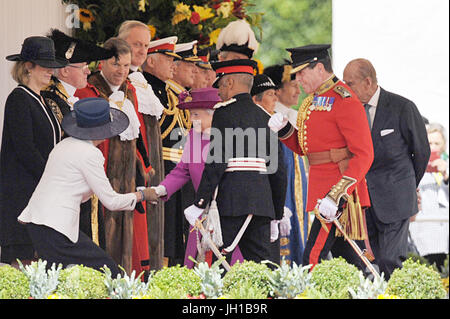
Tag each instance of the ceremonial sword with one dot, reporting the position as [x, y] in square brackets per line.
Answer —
[364, 255]
[199, 226]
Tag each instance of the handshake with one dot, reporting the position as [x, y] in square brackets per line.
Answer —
[153, 193]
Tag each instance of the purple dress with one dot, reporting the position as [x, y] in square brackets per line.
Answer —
[191, 168]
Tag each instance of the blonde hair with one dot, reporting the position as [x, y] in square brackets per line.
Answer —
[20, 73]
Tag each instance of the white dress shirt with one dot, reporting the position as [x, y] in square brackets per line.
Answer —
[70, 89]
[74, 171]
[373, 102]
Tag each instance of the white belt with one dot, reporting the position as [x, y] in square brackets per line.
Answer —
[246, 164]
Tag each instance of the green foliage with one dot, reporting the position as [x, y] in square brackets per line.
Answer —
[80, 282]
[211, 279]
[415, 281]
[287, 282]
[247, 273]
[155, 292]
[43, 282]
[176, 278]
[14, 284]
[292, 23]
[369, 289]
[125, 287]
[331, 279]
[245, 290]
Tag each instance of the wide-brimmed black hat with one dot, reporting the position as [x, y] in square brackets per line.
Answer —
[76, 50]
[261, 83]
[93, 119]
[223, 68]
[303, 56]
[39, 50]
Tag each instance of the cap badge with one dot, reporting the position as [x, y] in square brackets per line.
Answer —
[70, 50]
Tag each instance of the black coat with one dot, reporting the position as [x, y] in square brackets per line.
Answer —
[400, 158]
[30, 132]
[243, 192]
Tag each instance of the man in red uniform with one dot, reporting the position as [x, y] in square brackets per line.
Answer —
[333, 133]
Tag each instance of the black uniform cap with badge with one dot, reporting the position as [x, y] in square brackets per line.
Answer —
[305, 55]
[76, 50]
[242, 66]
[262, 83]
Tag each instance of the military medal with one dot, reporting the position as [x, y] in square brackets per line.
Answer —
[322, 103]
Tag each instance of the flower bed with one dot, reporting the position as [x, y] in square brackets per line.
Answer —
[331, 279]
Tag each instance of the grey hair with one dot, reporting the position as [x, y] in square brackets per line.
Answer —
[242, 78]
[128, 25]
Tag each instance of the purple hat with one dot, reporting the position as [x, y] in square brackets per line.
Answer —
[204, 98]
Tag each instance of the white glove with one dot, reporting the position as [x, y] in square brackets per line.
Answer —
[285, 222]
[274, 230]
[192, 213]
[327, 208]
[277, 122]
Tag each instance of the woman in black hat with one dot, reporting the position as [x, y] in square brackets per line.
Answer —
[75, 172]
[29, 134]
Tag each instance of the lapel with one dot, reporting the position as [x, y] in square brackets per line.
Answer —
[381, 115]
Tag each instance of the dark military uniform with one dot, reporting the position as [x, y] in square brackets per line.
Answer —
[241, 193]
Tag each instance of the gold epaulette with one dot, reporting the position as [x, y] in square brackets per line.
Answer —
[342, 91]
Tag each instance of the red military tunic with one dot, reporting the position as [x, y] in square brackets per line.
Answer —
[332, 118]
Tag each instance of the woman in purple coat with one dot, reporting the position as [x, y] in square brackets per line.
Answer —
[200, 103]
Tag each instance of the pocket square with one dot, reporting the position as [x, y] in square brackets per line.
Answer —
[386, 132]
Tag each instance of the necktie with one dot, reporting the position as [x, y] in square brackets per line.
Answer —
[367, 107]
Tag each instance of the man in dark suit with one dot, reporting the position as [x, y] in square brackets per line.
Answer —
[251, 181]
[401, 153]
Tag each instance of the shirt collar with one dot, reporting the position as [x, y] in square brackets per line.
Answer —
[134, 68]
[70, 89]
[114, 88]
[375, 97]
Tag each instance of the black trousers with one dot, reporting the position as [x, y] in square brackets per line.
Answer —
[54, 247]
[320, 243]
[255, 242]
[389, 242]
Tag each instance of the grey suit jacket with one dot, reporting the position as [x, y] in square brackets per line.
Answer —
[401, 153]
